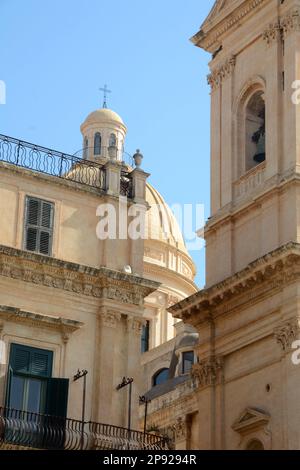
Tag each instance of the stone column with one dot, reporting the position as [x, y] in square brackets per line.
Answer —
[139, 179]
[3, 365]
[105, 380]
[285, 335]
[113, 177]
[134, 331]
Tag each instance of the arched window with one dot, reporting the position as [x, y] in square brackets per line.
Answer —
[112, 140]
[255, 127]
[97, 144]
[187, 361]
[160, 377]
[255, 444]
[85, 148]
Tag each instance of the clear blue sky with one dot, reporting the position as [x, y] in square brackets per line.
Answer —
[55, 54]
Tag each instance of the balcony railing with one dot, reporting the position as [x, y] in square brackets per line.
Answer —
[51, 162]
[37, 431]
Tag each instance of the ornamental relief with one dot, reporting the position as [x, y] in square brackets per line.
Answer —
[221, 73]
[206, 372]
[101, 285]
[286, 333]
[280, 29]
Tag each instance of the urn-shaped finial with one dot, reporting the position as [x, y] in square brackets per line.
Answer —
[138, 158]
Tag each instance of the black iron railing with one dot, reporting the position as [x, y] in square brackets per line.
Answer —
[37, 431]
[51, 162]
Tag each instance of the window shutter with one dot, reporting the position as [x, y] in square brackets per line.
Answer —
[57, 397]
[39, 225]
[31, 361]
[33, 211]
[8, 386]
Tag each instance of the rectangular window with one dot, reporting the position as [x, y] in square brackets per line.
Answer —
[30, 369]
[187, 361]
[30, 386]
[39, 217]
[145, 337]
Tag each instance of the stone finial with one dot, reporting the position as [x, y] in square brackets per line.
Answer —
[138, 158]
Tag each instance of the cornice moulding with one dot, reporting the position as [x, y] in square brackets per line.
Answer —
[100, 282]
[17, 315]
[276, 268]
[212, 31]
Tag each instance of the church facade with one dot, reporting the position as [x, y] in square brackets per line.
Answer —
[243, 391]
[78, 302]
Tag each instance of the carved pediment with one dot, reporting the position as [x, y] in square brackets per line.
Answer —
[224, 15]
[216, 9]
[251, 419]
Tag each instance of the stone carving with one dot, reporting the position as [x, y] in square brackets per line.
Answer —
[286, 333]
[205, 373]
[135, 325]
[222, 72]
[272, 33]
[180, 429]
[109, 318]
[290, 22]
[49, 272]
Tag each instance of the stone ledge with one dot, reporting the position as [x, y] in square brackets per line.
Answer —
[100, 282]
[277, 268]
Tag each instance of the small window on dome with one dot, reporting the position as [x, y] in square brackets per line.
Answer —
[97, 144]
[112, 140]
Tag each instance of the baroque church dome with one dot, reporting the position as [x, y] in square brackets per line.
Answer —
[103, 115]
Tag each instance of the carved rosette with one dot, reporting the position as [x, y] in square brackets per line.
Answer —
[206, 372]
[286, 333]
[180, 429]
[221, 73]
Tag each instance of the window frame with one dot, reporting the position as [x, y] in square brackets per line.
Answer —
[39, 227]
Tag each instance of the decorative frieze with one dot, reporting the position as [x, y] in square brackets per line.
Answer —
[221, 73]
[286, 333]
[101, 283]
[206, 372]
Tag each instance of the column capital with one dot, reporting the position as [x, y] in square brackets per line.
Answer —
[135, 325]
[109, 318]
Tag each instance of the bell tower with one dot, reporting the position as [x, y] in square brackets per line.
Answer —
[255, 129]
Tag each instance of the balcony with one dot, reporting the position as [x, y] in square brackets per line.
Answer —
[24, 430]
[59, 165]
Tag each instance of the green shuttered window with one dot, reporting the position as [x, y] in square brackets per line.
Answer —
[39, 217]
[30, 385]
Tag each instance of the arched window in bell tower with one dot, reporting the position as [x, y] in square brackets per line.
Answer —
[97, 144]
[255, 127]
[112, 140]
